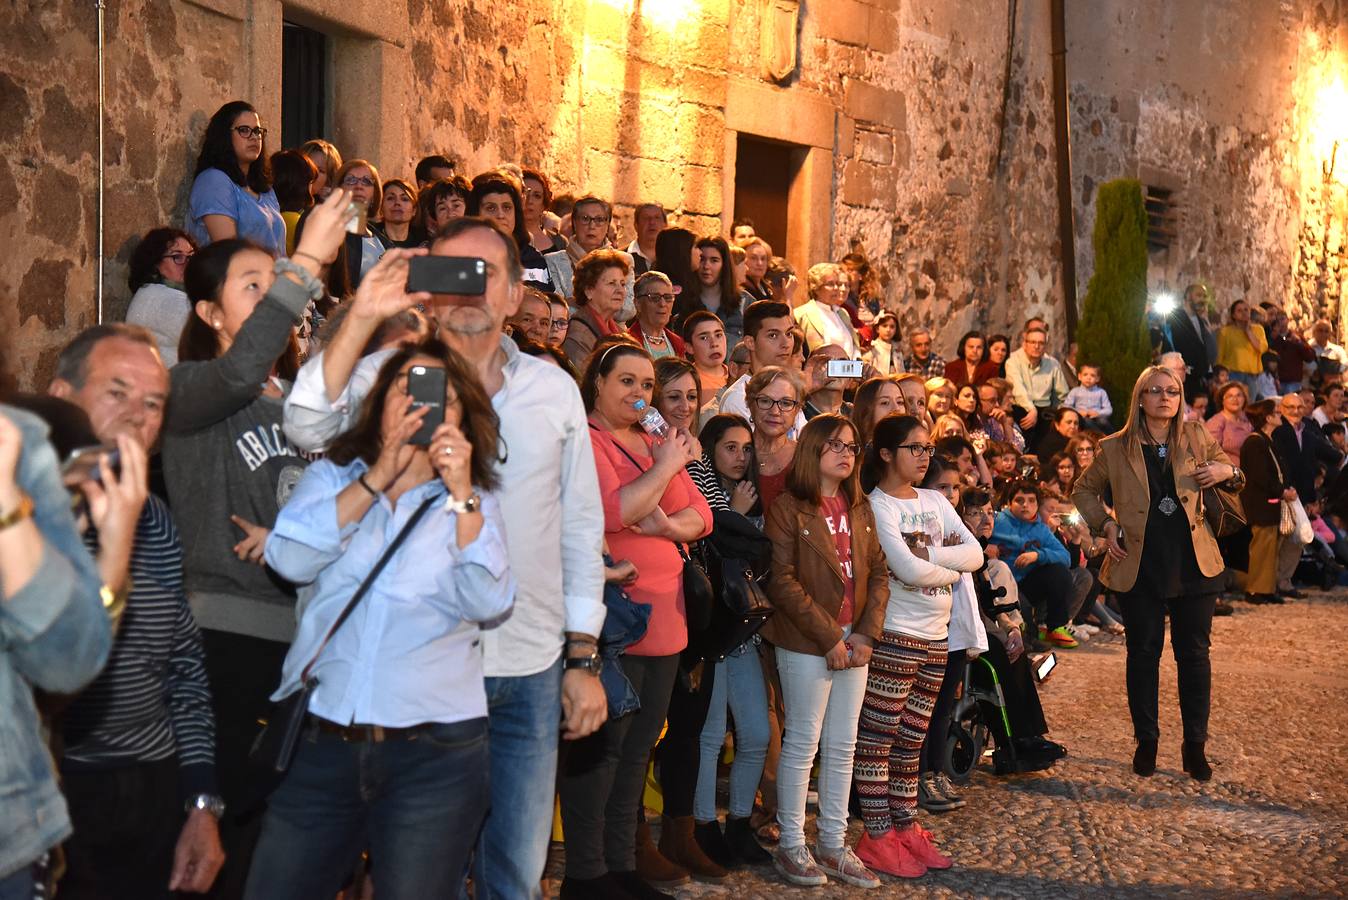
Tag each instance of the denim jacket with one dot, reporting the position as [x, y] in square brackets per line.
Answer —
[54, 635]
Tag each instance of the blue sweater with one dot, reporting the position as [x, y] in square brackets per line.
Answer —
[1014, 537]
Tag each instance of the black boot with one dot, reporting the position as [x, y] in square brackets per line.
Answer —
[1144, 758]
[1195, 760]
[709, 837]
[739, 836]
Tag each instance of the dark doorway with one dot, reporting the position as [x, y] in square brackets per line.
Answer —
[764, 173]
[304, 84]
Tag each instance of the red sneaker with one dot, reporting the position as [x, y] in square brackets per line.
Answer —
[918, 841]
[888, 855]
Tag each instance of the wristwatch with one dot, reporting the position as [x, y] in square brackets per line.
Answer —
[209, 802]
[471, 505]
[594, 663]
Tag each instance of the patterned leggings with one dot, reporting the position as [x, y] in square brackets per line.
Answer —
[905, 678]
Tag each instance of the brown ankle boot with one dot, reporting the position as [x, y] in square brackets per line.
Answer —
[679, 845]
[652, 867]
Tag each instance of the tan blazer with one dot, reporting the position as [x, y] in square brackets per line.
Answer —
[1118, 479]
[806, 584]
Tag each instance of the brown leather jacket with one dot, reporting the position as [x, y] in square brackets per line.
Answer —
[806, 582]
[1117, 481]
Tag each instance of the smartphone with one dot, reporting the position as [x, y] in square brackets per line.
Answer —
[447, 275]
[844, 368]
[426, 386]
[1045, 666]
[82, 464]
[360, 215]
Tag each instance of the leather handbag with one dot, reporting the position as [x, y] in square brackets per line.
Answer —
[698, 596]
[1223, 511]
[274, 748]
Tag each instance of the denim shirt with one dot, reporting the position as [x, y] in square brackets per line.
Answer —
[411, 651]
[54, 635]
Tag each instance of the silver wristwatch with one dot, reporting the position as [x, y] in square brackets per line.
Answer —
[471, 505]
[209, 802]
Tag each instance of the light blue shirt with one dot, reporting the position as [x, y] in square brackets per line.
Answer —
[256, 219]
[411, 651]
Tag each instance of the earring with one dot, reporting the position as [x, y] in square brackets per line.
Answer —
[215, 324]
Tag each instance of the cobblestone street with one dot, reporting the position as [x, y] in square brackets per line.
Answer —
[1272, 822]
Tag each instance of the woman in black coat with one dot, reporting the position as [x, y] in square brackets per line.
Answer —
[1265, 489]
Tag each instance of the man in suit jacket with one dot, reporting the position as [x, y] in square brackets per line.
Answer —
[1186, 331]
[1301, 446]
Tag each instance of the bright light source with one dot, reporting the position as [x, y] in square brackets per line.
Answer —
[1164, 304]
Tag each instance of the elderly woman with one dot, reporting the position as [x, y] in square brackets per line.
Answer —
[158, 300]
[655, 296]
[599, 287]
[972, 365]
[231, 193]
[940, 396]
[1143, 493]
[822, 317]
[397, 681]
[1230, 426]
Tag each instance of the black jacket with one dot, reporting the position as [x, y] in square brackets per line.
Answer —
[1299, 459]
[1264, 481]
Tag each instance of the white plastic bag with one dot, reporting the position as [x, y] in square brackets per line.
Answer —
[1304, 532]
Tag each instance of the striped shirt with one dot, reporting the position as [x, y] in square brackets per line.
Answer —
[152, 701]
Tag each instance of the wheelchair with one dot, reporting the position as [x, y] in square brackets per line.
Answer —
[979, 715]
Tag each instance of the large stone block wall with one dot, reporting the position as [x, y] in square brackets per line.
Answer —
[899, 103]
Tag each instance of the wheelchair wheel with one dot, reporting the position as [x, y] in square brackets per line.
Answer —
[965, 744]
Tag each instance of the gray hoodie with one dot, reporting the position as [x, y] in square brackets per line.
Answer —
[225, 454]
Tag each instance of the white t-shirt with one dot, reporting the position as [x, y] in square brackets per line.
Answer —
[920, 589]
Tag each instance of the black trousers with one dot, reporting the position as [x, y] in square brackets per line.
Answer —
[1019, 691]
[1046, 595]
[1190, 637]
[680, 751]
[603, 776]
[942, 711]
[243, 671]
[126, 823]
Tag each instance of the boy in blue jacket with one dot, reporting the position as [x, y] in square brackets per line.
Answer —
[1039, 562]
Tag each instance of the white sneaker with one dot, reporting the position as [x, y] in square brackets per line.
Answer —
[1078, 632]
[847, 868]
[1089, 628]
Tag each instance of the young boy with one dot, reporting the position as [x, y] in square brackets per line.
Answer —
[1038, 560]
[1198, 406]
[1090, 400]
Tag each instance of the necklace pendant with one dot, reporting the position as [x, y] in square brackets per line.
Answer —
[1167, 506]
[1162, 451]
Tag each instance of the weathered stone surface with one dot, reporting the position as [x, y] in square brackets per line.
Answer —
[66, 132]
[15, 108]
[43, 292]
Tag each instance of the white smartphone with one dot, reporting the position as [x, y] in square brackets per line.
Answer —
[844, 368]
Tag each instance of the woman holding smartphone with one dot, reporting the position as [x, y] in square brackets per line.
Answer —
[828, 584]
[1162, 557]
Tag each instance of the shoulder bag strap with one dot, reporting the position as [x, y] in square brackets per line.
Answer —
[365, 585]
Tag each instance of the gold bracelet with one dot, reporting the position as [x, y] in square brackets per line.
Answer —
[16, 515]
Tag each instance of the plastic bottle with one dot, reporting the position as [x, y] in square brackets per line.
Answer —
[652, 421]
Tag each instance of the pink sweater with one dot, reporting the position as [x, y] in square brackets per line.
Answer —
[1230, 435]
[659, 566]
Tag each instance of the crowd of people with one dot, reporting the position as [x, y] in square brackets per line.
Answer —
[462, 552]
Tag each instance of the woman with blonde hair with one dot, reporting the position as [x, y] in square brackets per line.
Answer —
[822, 318]
[940, 396]
[1162, 555]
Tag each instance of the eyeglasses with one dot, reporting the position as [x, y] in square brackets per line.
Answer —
[248, 131]
[353, 181]
[786, 404]
[559, 324]
[662, 298]
[592, 220]
[919, 450]
[1156, 390]
[841, 447]
[178, 258]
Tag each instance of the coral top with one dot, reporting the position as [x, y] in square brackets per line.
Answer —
[659, 566]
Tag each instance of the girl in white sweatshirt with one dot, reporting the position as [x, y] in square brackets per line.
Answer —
[927, 547]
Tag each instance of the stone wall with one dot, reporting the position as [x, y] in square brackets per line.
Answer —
[915, 147]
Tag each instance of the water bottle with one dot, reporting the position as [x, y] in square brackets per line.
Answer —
[652, 421]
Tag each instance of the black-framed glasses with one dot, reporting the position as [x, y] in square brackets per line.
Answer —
[592, 220]
[786, 404]
[249, 131]
[662, 298]
[179, 258]
[353, 181]
[1156, 390]
[919, 450]
[840, 447]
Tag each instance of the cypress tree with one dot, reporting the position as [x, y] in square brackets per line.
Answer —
[1113, 332]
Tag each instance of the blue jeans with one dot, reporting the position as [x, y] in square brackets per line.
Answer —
[418, 804]
[738, 682]
[525, 714]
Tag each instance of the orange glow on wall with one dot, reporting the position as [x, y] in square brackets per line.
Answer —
[665, 14]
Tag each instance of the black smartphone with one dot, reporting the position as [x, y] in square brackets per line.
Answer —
[426, 386]
[447, 275]
[82, 464]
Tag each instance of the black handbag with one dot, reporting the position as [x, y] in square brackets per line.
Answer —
[274, 748]
[1223, 511]
[698, 597]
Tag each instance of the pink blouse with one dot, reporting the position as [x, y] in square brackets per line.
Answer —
[659, 566]
[1230, 435]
